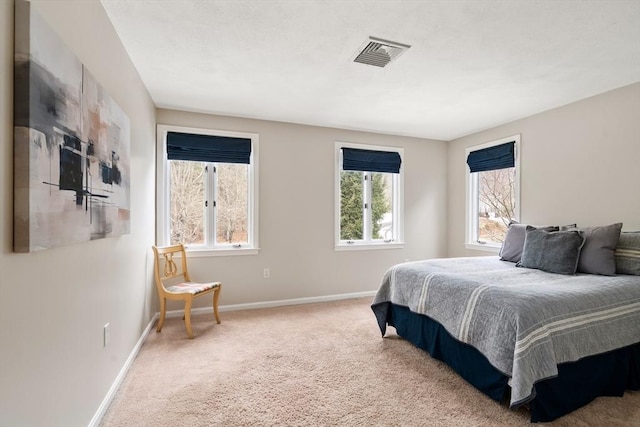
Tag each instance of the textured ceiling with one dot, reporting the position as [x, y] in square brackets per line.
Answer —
[472, 65]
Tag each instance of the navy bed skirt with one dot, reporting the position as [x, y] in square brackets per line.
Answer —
[577, 383]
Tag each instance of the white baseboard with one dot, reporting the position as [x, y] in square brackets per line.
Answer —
[277, 303]
[95, 421]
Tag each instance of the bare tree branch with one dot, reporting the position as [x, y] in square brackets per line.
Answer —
[497, 203]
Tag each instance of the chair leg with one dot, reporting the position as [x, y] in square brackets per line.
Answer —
[187, 316]
[163, 312]
[216, 295]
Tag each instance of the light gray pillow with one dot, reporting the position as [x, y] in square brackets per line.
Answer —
[627, 254]
[513, 244]
[552, 251]
[597, 255]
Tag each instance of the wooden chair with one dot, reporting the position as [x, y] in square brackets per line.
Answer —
[174, 283]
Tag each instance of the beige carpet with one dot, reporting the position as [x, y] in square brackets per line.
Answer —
[316, 364]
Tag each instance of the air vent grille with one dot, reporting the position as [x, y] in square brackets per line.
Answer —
[379, 53]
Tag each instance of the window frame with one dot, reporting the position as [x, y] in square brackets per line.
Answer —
[163, 198]
[472, 205]
[397, 203]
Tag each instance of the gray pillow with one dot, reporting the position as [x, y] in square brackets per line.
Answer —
[627, 254]
[513, 244]
[597, 255]
[552, 251]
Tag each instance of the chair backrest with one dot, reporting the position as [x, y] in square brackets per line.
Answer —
[167, 270]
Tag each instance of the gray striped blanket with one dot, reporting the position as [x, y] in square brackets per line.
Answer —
[524, 321]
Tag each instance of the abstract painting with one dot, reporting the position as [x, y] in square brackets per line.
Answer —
[71, 145]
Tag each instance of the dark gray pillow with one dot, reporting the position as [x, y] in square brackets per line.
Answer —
[627, 253]
[597, 255]
[552, 251]
[513, 244]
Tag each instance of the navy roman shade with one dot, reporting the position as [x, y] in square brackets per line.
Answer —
[208, 148]
[497, 157]
[354, 159]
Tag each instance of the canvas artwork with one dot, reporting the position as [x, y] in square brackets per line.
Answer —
[71, 145]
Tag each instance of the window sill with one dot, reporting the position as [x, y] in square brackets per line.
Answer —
[208, 252]
[483, 247]
[369, 246]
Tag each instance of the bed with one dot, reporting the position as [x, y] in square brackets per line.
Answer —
[551, 341]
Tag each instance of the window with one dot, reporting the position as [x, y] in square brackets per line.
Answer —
[207, 189]
[492, 192]
[368, 196]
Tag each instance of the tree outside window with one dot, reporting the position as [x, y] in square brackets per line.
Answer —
[190, 202]
[353, 202]
[187, 199]
[231, 203]
[496, 203]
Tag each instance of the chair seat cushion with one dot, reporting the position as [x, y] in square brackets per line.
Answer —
[192, 288]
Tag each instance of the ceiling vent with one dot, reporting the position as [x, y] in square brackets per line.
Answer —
[379, 53]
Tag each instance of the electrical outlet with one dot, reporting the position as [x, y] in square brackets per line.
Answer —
[106, 335]
[266, 273]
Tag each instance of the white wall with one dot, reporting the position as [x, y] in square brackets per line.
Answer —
[580, 164]
[54, 370]
[297, 211]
